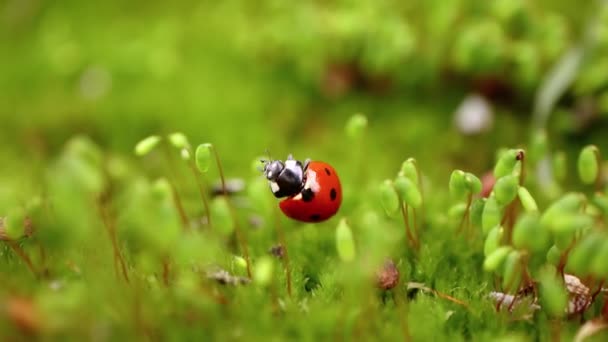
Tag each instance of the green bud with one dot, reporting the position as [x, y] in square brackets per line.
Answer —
[356, 126]
[554, 255]
[472, 183]
[146, 145]
[588, 167]
[506, 163]
[458, 187]
[408, 191]
[203, 157]
[528, 234]
[495, 260]
[526, 199]
[579, 258]
[476, 211]
[567, 204]
[161, 189]
[599, 266]
[512, 272]
[345, 244]
[179, 140]
[493, 240]
[560, 166]
[553, 295]
[240, 262]
[505, 189]
[570, 223]
[457, 211]
[262, 273]
[409, 170]
[389, 198]
[83, 148]
[491, 215]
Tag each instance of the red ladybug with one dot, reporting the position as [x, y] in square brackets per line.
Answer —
[312, 188]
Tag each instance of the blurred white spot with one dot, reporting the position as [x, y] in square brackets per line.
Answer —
[474, 115]
[95, 82]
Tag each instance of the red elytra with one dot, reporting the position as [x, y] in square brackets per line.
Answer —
[326, 197]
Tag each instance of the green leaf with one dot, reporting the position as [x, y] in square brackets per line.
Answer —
[569, 203]
[408, 191]
[493, 240]
[528, 234]
[345, 244]
[505, 189]
[526, 199]
[491, 215]
[203, 157]
[553, 295]
[599, 266]
[389, 198]
[495, 260]
[554, 255]
[146, 145]
[512, 272]
[588, 167]
[355, 126]
[583, 252]
[476, 211]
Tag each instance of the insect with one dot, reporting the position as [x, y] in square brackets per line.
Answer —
[312, 188]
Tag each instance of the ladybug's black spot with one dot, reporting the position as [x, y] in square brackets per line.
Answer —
[315, 217]
[307, 195]
[333, 194]
[327, 171]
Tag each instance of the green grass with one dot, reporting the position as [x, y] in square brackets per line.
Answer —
[238, 77]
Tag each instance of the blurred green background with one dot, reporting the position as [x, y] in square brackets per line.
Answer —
[273, 75]
[251, 76]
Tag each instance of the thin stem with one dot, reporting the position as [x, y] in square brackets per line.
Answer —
[285, 258]
[598, 177]
[26, 259]
[237, 228]
[407, 223]
[172, 182]
[466, 213]
[416, 232]
[201, 190]
[111, 229]
[166, 271]
[521, 156]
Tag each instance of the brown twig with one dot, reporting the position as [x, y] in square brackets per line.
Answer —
[21, 253]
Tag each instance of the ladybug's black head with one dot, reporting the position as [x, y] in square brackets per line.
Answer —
[272, 169]
[286, 179]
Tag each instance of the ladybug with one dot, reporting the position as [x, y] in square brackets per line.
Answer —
[312, 188]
